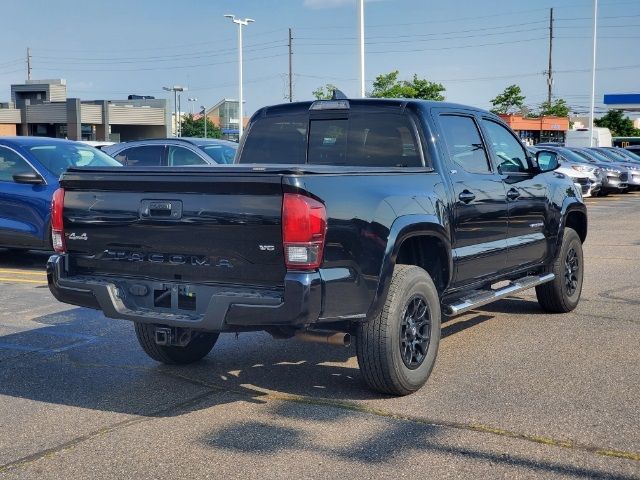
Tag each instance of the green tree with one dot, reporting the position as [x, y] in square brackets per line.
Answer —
[509, 101]
[192, 127]
[559, 108]
[388, 86]
[619, 125]
[324, 93]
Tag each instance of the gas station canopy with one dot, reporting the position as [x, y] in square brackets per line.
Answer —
[623, 101]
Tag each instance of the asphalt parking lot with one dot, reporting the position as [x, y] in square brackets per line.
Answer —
[515, 393]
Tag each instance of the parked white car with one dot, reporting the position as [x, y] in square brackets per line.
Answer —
[587, 177]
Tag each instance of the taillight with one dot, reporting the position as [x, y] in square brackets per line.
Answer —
[57, 224]
[304, 225]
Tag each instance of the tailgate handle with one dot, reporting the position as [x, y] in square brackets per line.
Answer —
[161, 209]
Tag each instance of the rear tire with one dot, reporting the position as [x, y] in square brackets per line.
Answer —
[397, 350]
[563, 293]
[200, 345]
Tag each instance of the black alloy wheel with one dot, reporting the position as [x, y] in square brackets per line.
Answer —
[415, 332]
[571, 271]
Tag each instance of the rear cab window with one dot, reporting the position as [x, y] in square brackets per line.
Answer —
[358, 137]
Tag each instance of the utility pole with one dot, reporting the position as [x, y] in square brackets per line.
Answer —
[290, 67]
[28, 63]
[550, 70]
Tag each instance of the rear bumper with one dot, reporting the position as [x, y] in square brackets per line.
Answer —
[214, 308]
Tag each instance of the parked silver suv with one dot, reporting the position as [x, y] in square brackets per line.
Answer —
[173, 152]
[588, 176]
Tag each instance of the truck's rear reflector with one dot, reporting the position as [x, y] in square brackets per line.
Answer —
[304, 226]
[57, 223]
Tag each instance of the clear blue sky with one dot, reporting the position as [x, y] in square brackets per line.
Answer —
[108, 49]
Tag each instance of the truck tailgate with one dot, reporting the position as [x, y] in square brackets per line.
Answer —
[221, 225]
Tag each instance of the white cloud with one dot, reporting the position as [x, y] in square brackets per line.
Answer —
[320, 4]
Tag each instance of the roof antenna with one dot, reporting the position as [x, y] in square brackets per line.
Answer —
[338, 95]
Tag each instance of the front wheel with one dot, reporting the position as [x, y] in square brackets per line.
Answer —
[200, 345]
[397, 349]
[563, 293]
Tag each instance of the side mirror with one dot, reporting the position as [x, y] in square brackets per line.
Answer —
[31, 178]
[547, 161]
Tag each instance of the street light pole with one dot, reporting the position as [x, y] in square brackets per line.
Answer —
[240, 23]
[593, 71]
[176, 106]
[361, 32]
[204, 117]
[179, 115]
[191, 104]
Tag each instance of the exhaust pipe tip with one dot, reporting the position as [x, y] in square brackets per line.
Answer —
[342, 339]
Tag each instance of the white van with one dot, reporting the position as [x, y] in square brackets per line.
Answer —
[580, 138]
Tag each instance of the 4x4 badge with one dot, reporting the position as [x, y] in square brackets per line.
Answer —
[73, 236]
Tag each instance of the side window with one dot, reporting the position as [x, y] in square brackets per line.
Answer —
[180, 156]
[10, 164]
[510, 154]
[146, 156]
[464, 143]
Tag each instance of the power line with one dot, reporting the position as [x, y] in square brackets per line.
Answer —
[161, 58]
[412, 40]
[484, 29]
[172, 47]
[162, 68]
[342, 52]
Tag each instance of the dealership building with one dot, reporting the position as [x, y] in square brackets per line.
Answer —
[42, 108]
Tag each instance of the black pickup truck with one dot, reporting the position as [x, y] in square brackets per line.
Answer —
[370, 218]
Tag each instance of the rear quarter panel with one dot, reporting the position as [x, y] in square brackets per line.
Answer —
[362, 211]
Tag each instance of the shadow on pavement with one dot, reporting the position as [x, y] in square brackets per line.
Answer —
[391, 439]
[22, 259]
[80, 358]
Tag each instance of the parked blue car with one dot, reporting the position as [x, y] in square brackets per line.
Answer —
[29, 172]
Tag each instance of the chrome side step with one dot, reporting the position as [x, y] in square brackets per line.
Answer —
[478, 299]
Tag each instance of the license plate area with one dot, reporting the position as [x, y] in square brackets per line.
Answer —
[173, 297]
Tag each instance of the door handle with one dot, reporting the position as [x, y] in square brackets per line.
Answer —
[513, 194]
[466, 196]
